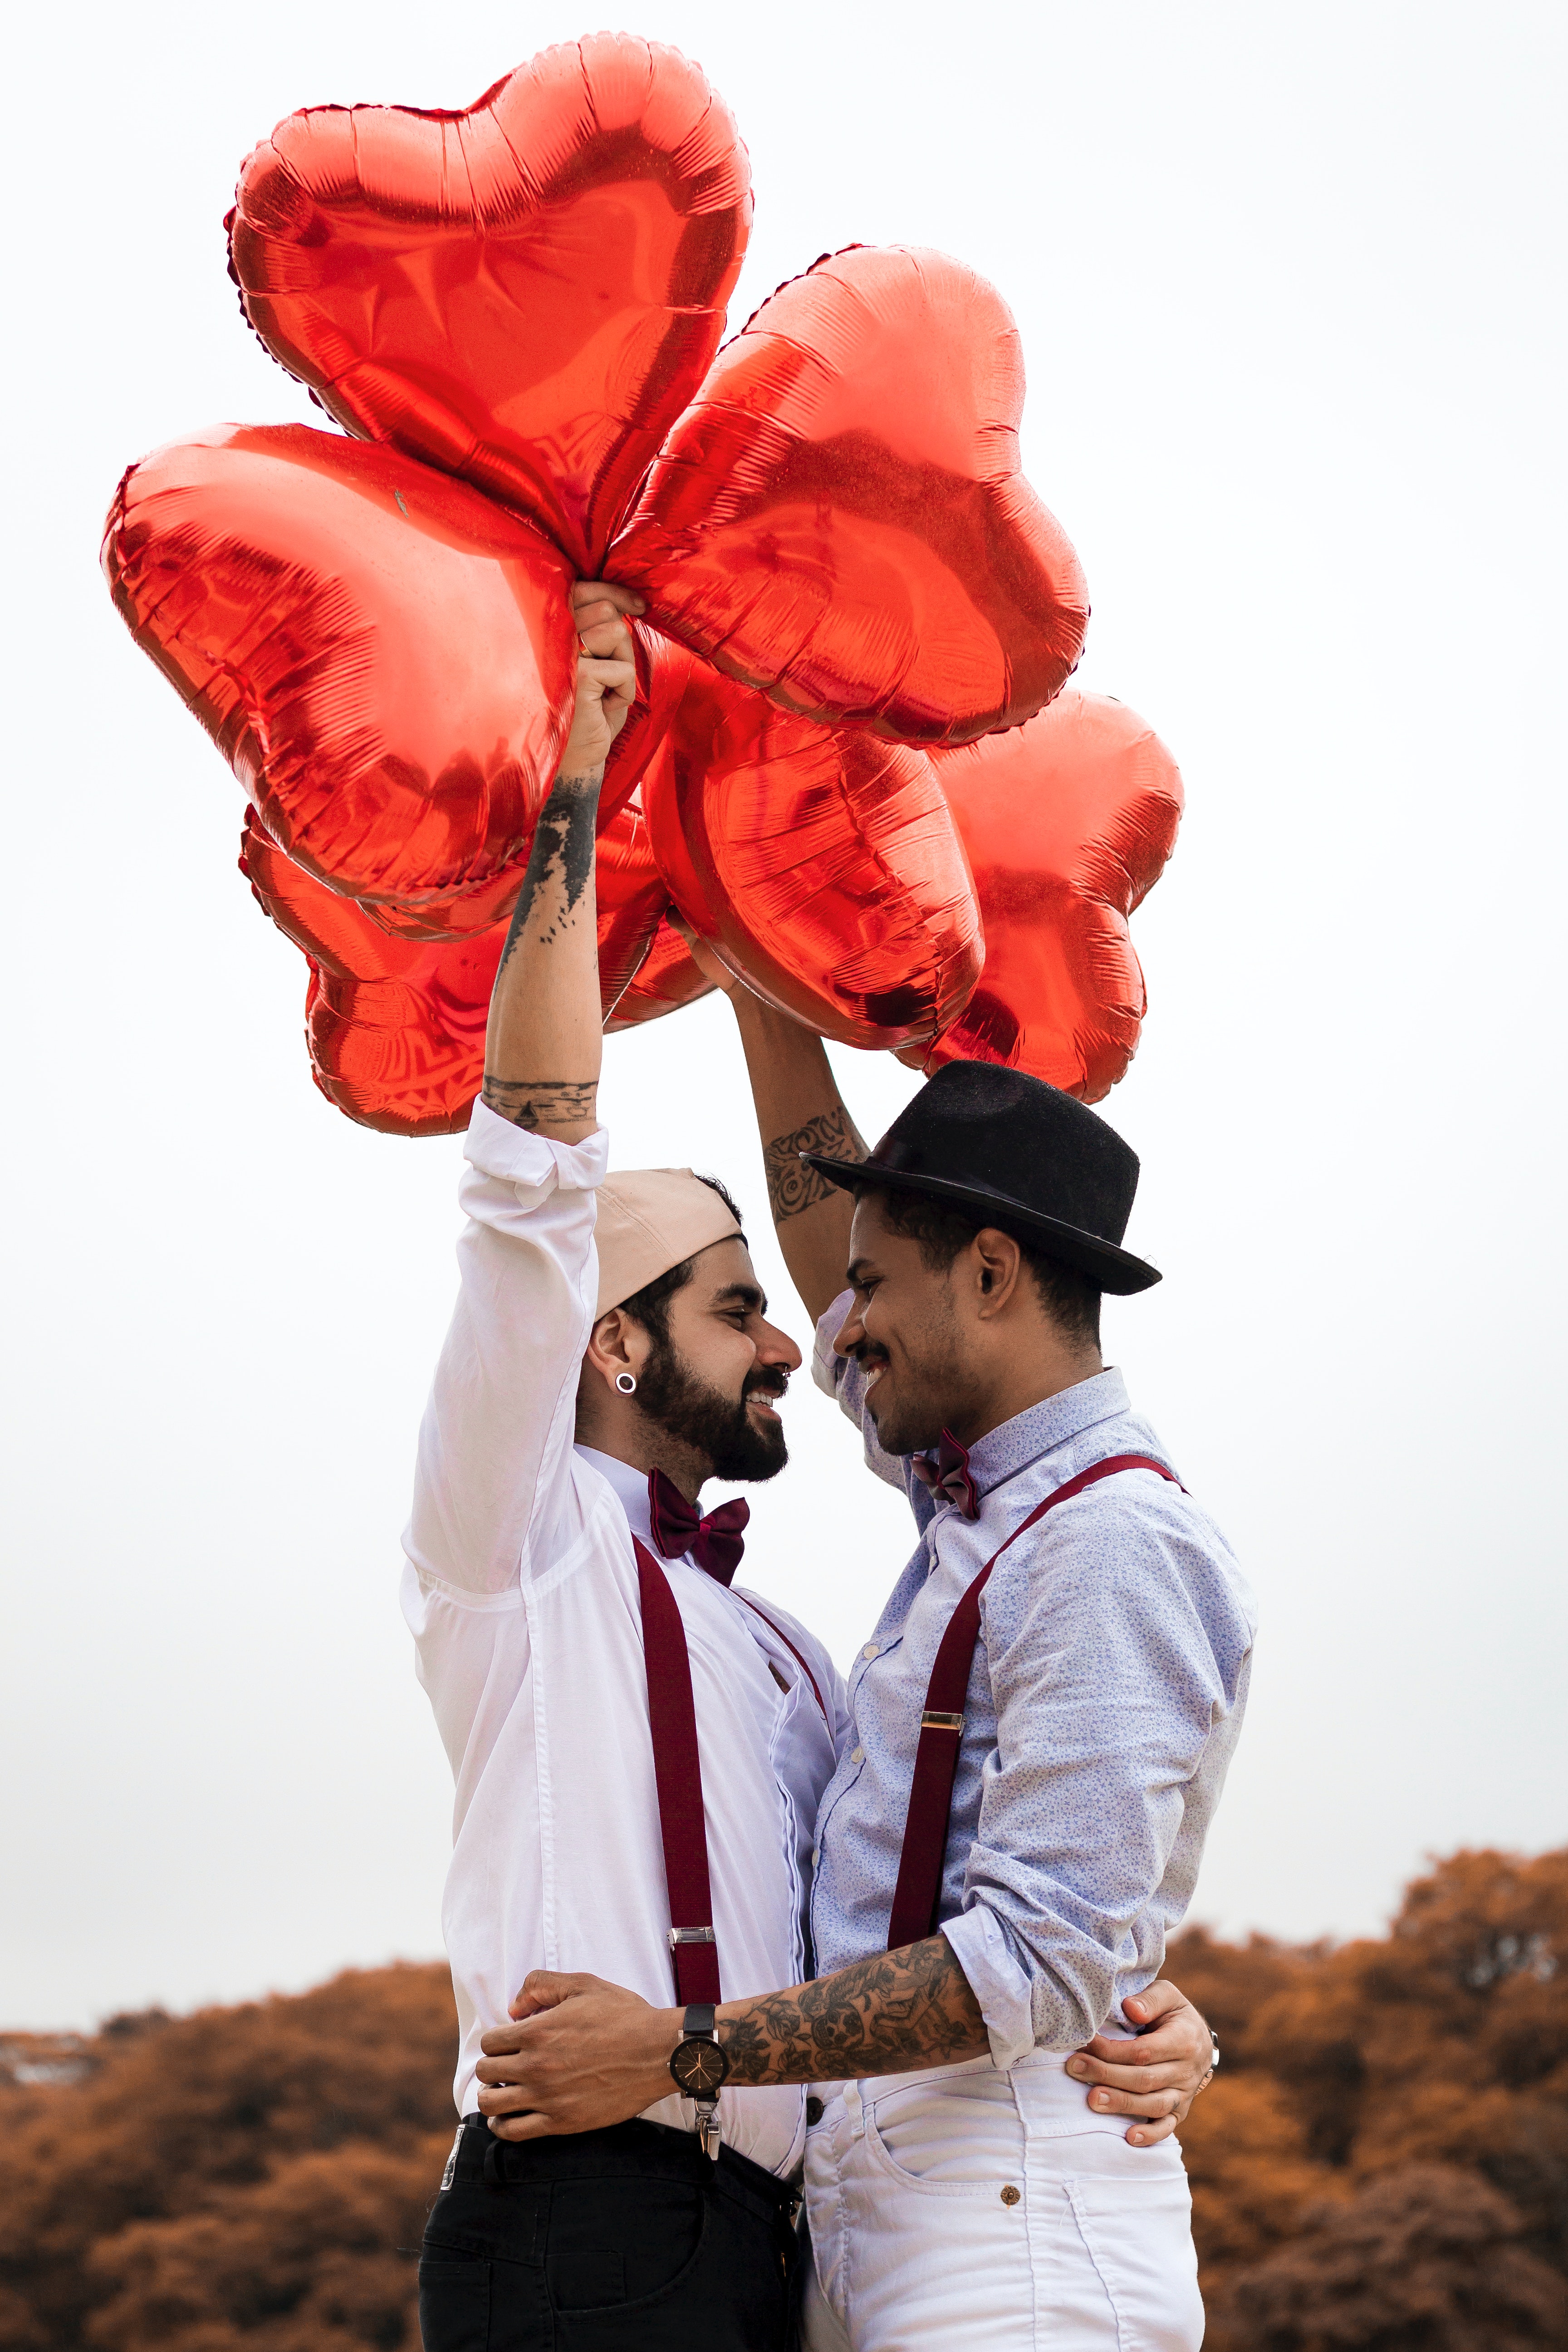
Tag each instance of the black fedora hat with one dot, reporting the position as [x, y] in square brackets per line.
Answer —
[1025, 1156]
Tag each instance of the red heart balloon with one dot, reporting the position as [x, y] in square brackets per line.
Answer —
[385, 657]
[822, 865]
[840, 519]
[526, 293]
[663, 670]
[1069, 823]
[646, 968]
[667, 979]
[396, 1026]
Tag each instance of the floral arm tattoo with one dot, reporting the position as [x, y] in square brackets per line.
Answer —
[792, 1187]
[560, 869]
[891, 2014]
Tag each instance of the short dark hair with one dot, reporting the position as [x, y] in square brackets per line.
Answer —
[1072, 1299]
[650, 1305]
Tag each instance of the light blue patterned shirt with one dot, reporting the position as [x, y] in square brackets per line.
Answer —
[1104, 1703]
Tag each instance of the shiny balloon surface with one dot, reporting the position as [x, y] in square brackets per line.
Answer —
[1068, 823]
[850, 588]
[840, 519]
[384, 657]
[525, 294]
[821, 864]
[396, 1026]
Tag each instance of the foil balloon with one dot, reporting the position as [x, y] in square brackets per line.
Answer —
[1069, 823]
[666, 979]
[526, 293]
[662, 670]
[385, 657]
[840, 519]
[516, 310]
[822, 865]
[396, 1026]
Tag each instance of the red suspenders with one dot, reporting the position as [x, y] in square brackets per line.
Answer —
[677, 1776]
[919, 1889]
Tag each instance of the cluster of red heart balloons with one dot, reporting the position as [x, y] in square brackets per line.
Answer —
[851, 767]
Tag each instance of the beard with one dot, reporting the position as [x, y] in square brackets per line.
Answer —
[923, 1389]
[912, 1421]
[715, 1426]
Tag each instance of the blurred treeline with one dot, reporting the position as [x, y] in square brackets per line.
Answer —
[1380, 2165]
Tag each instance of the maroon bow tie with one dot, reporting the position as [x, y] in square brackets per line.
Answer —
[948, 1476]
[715, 1542]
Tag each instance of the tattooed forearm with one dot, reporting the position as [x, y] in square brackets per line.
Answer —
[562, 853]
[889, 2015]
[542, 1102]
[791, 1186]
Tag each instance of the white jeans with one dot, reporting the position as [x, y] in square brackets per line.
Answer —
[966, 2207]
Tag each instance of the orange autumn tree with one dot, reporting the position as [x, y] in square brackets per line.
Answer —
[1381, 2165]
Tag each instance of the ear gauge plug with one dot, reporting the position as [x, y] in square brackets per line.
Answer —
[627, 1382]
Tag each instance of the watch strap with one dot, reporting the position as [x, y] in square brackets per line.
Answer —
[701, 2021]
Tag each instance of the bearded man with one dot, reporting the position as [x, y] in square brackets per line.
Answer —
[641, 1749]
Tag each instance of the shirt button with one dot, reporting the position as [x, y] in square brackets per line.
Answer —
[870, 1649]
[857, 1756]
[816, 1855]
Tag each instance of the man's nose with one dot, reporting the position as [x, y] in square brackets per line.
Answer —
[849, 1335]
[778, 1347]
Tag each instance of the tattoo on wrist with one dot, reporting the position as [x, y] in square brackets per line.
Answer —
[888, 2015]
[533, 1103]
[791, 1186]
[562, 853]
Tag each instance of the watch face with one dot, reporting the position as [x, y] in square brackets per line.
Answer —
[700, 2068]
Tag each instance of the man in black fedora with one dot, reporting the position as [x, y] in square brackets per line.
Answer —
[1042, 1721]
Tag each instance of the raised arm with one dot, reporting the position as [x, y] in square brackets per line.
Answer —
[496, 1432]
[799, 1108]
[545, 1042]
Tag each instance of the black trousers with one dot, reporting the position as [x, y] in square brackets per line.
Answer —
[627, 2240]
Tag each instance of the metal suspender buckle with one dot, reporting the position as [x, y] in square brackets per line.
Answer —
[932, 1722]
[692, 1936]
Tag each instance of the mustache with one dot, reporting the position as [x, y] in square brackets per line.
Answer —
[867, 1353]
[773, 1382]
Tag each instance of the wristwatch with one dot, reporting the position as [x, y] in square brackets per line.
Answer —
[700, 2069]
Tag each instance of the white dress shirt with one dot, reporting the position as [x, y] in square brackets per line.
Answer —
[521, 1594]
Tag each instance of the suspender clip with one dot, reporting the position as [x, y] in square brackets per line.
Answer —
[931, 1722]
[692, 1936]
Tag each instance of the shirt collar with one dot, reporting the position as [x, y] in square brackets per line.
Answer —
[1041, 1428]
[630, 1486]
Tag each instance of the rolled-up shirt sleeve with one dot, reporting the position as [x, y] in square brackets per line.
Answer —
[1114, 1677]
[495, 1443]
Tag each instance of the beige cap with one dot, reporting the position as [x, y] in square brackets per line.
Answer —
[650, 1219]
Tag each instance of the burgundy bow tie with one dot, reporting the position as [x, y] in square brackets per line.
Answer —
[715, 1542]
[948, 1476]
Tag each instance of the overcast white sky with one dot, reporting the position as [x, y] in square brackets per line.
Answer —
[1290, 283]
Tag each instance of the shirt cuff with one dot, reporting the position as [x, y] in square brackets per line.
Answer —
[514, 1155]
[996, 1981]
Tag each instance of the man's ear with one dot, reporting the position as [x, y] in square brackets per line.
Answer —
[617, 1343]
[998, 1269]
